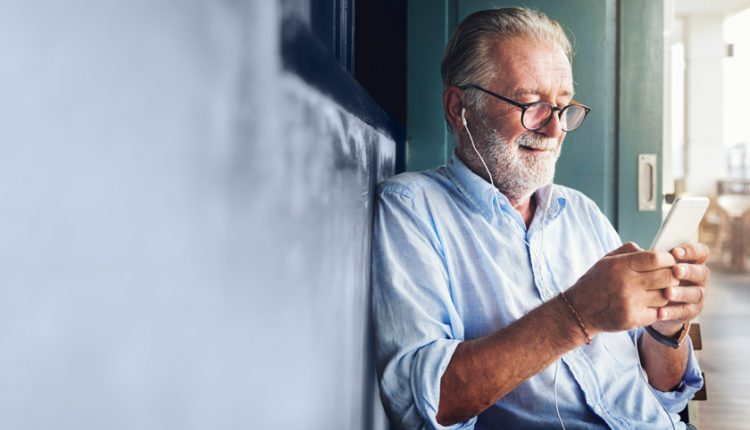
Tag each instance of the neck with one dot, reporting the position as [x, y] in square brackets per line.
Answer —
[526, 206]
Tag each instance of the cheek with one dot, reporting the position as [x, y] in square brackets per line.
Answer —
[510, 129]
[504, 118]
[511, 122]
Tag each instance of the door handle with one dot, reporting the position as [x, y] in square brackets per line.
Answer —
[647, 182]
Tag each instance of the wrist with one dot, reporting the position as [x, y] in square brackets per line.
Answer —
[673, 338]
[574, 315]
[668, 328]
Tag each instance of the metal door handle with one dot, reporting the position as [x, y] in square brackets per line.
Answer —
[647, 181]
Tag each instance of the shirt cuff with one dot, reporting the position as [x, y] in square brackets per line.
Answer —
[427, 371]
[692, 381]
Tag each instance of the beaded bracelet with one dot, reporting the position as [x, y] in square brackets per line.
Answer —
[577, 317]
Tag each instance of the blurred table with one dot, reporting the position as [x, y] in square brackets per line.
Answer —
[736, 205]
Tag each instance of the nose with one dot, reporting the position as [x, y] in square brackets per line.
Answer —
[553, 128]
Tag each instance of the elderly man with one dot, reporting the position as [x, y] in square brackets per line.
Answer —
[503, 301]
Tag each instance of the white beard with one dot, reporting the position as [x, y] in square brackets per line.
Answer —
[517, 173]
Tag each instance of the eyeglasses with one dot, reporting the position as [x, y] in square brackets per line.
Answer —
[537, 114]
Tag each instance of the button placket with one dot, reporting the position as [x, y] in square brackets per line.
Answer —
[537, 269]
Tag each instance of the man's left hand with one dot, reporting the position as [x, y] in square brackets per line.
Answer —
[686, 300]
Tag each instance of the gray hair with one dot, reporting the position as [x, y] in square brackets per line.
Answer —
[466, 58]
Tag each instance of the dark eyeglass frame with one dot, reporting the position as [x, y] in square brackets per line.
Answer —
[526, 106]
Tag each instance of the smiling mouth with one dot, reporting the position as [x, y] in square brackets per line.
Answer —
[537, 150]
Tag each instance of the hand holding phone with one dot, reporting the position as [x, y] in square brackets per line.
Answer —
[679, 228]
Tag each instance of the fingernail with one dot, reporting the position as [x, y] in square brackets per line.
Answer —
[681, 270]
[680, 252]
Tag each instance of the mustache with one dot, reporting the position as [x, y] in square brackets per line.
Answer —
[535, 142]
[529, 140]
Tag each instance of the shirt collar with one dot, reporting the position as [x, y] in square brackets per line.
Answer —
[488, 199]
[556, 205]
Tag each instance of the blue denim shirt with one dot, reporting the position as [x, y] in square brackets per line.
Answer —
[451, 263]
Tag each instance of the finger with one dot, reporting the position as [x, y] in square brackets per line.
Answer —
[625, 248]
[655, 299]
[680, 311]
[692, 274]
[685, 294]
[657, 279]
[647, 261]
[648, 316]
[691, 252]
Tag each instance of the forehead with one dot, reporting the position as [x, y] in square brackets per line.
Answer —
[528, 65]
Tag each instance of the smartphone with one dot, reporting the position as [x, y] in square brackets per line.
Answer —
[681, 223]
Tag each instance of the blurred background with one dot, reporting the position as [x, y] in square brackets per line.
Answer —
[708, 144]
[187, 187]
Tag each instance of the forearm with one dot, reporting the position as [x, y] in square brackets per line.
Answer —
[665, 366]
[484, 370]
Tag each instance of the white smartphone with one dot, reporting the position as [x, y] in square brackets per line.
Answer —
[681, 223]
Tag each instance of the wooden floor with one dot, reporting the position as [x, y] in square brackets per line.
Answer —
[725, 358]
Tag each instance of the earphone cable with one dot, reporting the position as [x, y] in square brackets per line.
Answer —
[531, 248]
[471, 138]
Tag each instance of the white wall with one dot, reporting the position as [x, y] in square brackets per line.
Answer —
[704, 89]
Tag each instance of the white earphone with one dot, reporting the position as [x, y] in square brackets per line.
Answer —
[463, 119]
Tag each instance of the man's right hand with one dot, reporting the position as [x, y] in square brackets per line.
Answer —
[624, 289]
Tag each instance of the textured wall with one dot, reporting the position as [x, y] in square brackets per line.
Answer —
[184, 225]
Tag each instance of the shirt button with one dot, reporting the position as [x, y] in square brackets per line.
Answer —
[598, 409]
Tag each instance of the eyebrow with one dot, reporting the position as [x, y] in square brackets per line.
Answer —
[532, 92]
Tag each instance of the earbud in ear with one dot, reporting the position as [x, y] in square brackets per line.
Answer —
[463, 116]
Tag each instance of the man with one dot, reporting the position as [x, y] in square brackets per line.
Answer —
[500, 299]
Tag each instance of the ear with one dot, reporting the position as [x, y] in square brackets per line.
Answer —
[452, 105]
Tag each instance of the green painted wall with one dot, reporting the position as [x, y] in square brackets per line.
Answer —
[428, 139]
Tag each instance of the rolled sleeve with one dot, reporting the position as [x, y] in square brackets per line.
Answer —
[692, 381]
[417, 327]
